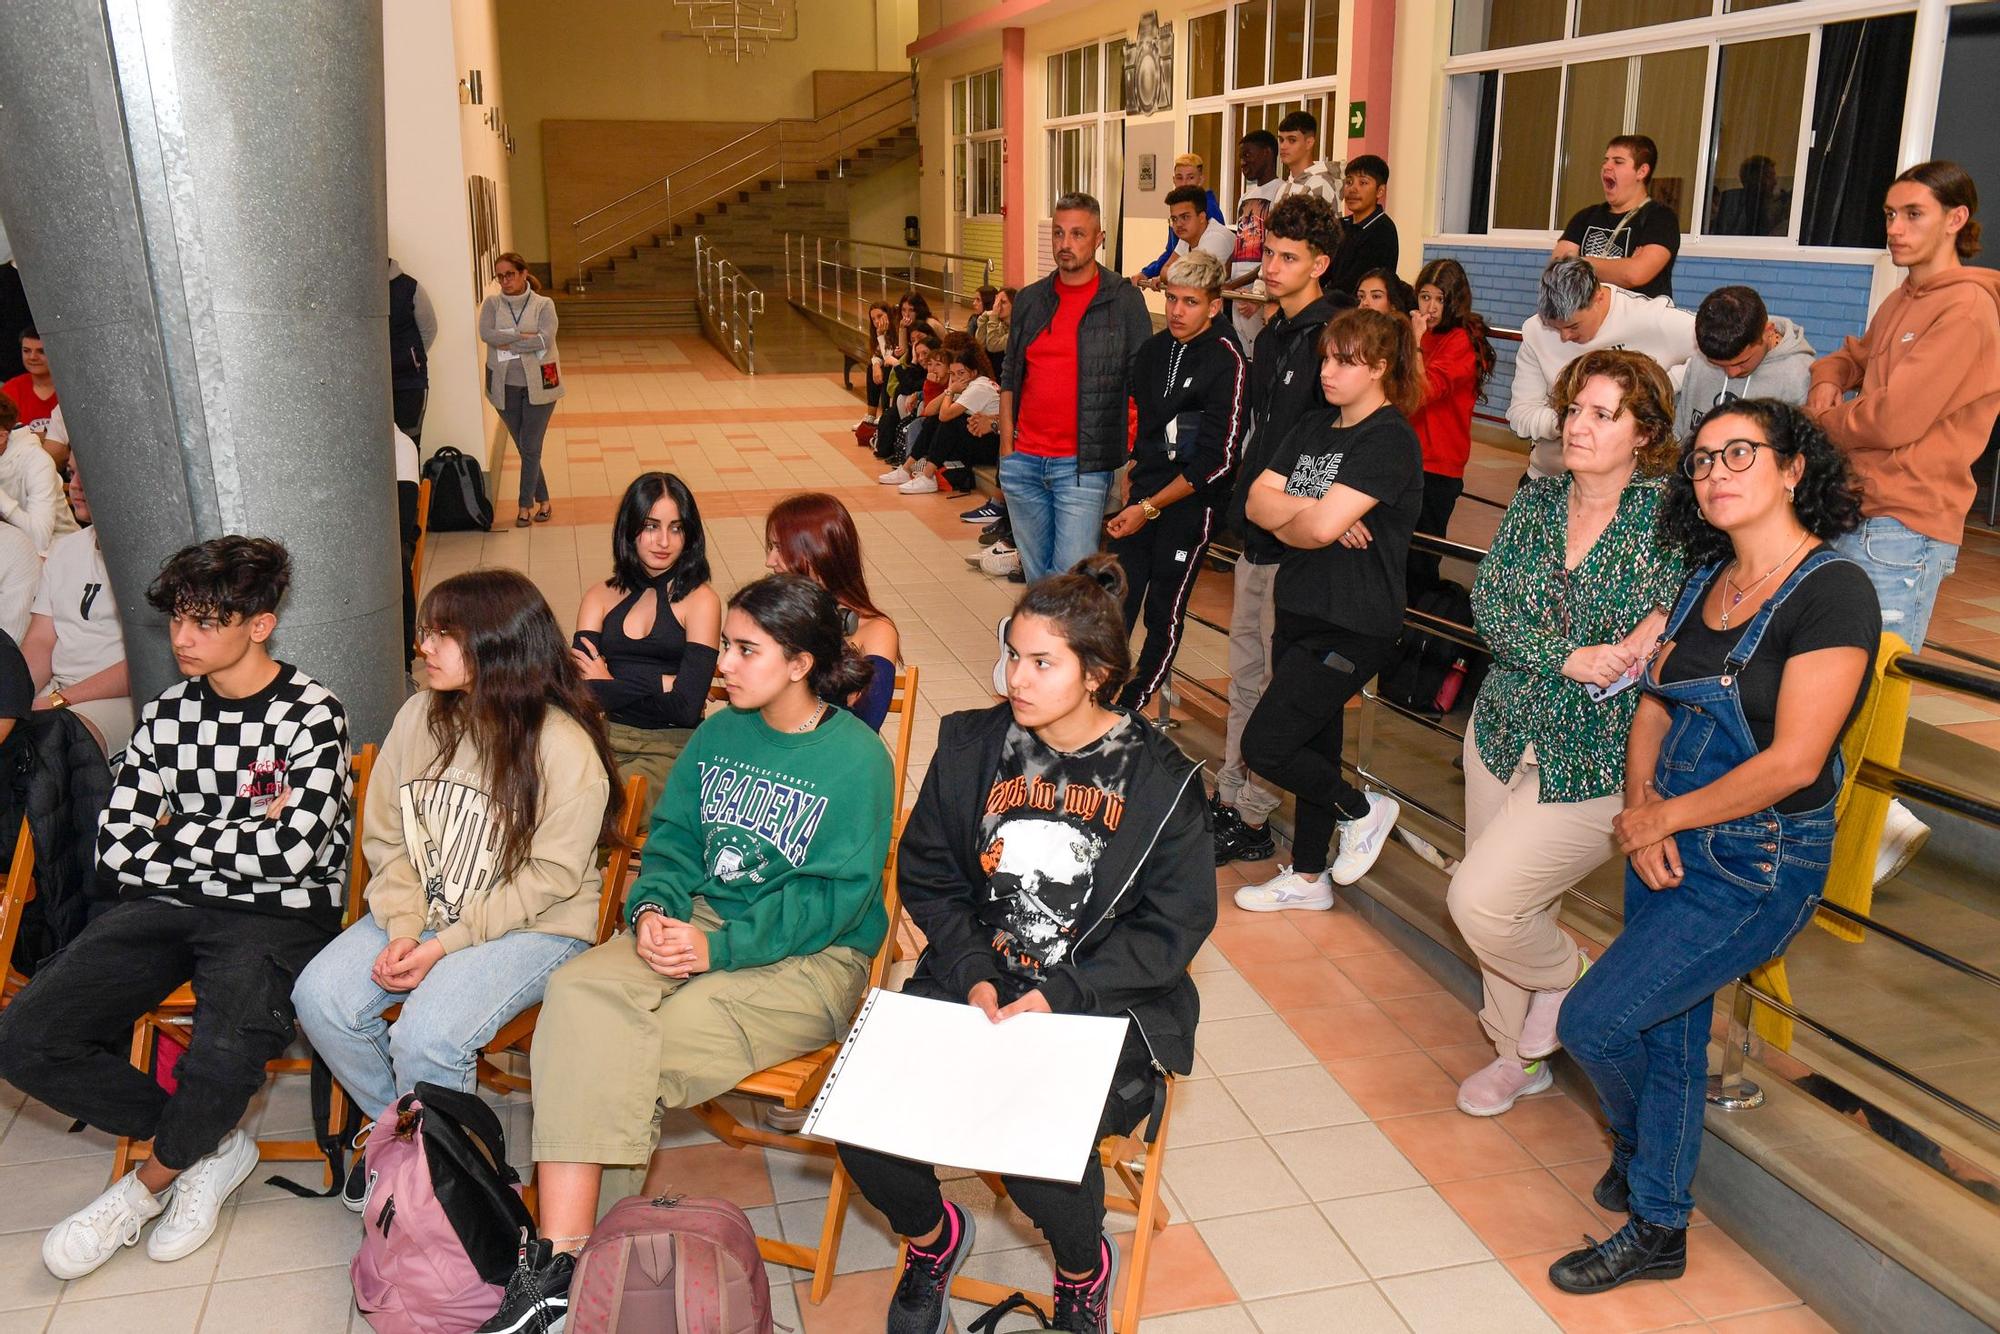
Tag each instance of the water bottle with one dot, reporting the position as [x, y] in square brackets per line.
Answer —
[1454, 681]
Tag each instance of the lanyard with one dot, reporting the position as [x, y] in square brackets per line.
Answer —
[513, 314]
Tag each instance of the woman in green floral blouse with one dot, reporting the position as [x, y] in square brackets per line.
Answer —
[1572, 599]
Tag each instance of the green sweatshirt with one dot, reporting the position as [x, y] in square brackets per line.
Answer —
[784, 835]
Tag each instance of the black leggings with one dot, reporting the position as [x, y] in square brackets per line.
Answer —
[1441, 495]
[1071, 1217]
[1294, 736]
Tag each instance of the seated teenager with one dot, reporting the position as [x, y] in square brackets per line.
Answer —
[904, 395]
[31, 490]
[1061, 865]
[226, 837]
[757, 910]
[75, 646]
[646, 637]
[950, 449]
[918, 408]
[814, 535]
[486, 808]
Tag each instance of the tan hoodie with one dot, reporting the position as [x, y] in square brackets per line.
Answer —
[1928, 371]
[430, 839]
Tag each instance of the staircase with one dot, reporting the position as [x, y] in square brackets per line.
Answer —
[658, 311]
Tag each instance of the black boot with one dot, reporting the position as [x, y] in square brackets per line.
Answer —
[1610, 1192]
[1637, 1250]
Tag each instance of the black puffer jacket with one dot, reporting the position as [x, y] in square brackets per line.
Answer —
[52, 772]
[1115, 326]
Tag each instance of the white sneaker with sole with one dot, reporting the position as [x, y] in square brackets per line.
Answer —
[195, 1204]
[1903, 837]
[101, 1229]
[1288, 889]
[926, 485]
[895, 476]
[1362, 841]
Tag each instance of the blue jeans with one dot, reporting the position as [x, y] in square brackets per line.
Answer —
[1907, 570]
[461, 1003]
[1057, 513]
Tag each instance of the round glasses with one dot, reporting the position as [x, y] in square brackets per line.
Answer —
[1736, 455]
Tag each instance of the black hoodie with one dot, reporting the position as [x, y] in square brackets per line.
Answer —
[1201, 386]
[1152, 903]
[1284, 386]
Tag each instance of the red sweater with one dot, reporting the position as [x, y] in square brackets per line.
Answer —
[1444, 422]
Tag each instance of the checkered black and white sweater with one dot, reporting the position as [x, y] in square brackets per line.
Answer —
[212, 767]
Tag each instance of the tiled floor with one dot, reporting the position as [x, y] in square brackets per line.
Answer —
[1319, 1177]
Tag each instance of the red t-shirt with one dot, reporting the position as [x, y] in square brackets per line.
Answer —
[34, 409]
[1045, 418]
[1444, 423]
[932, 388]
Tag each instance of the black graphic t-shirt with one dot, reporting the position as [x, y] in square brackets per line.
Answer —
[1049, 816]
[1360, 589]
[1601, 232]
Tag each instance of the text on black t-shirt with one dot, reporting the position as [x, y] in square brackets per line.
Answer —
[1601, 232]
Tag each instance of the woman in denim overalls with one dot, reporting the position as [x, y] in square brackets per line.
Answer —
[1724, 825]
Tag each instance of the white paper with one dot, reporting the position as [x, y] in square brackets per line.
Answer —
[505, 355]
[941, 1083]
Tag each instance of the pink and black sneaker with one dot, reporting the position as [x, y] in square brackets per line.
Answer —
[921, 1303]
[1083, 1306]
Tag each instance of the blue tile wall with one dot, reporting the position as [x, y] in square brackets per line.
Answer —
[1830, 301]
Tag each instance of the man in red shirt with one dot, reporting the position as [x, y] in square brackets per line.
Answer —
[34, 389]
[1063, 398]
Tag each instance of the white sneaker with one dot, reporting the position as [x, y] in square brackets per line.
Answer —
[896, 476]
[1362, 841]
[101, 1229]
[1287, 889]
[1000, 560]
[195, 1204]
[920, 486]
[1903, 837]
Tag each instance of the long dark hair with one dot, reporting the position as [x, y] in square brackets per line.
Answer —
[1448, 276]
[1827, 500]
[628, 572]
[802, 617]
[817, 538]
[1085, 604]
[520, 667]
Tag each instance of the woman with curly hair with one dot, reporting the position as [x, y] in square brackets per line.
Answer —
[1730, 776]
[1571, 600]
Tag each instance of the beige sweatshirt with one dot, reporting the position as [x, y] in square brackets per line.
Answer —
[431, 839]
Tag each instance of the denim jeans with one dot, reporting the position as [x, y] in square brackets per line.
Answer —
[527, 423]
[1907, 570]
[1638, 1020]
[1057, 513]
[461, 1003]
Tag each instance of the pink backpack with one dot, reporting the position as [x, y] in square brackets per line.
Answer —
[671, 1264]
[444, 1222]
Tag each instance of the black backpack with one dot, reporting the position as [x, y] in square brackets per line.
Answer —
[458, 493]
[1423, 661]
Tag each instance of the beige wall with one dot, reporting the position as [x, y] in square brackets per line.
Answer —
[878, 203]
[612, 60]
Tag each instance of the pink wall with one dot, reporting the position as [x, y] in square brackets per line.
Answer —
[1015, 230]
[1371, 59]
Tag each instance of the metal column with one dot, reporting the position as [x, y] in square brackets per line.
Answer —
[195, 193]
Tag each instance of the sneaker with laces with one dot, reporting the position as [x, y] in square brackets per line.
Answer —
[984, 514]
[1288, 889]
[1538, 1030]
[1497, 1087]
[1241, 842]
[999, 560]
[1083, 1306]
[921, 1303]
[1362, 841]
[927, 485]
[101, 1229]
[354, 1190]
[1903, 837]
[997, 531]
[896, 476]
[537, 1296]
[194, 1206]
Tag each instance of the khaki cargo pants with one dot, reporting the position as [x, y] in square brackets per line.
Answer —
[616, 1041]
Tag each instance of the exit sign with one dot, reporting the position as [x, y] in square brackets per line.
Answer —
[1357, 119]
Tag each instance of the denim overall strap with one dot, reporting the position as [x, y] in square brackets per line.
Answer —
[1754, 632]
[1692, 593]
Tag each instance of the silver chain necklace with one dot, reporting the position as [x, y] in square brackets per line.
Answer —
[813, 721]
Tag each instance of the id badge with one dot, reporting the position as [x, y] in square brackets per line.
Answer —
[510, 356]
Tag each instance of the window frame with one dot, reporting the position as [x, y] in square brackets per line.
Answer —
[974, 145]
[1224, 177]
[1093, 124]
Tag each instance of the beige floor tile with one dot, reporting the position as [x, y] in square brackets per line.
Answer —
[1235, 1177]
[1404, 1231]
[1484, 1297]
[1258, 1042]
[132, 1270]
[285, 1235]
[798, 1176]
[997, 1224]
[39, 1195]
[1280, 1251]
[1300, 1097]
[24, 1282]
[1359, 1308]
[1204, 1113]
[1214, 1320]
[38, 1135]
[1227, 995]
[309, 1300]
[1334, 1162]
[1207, 959]
[173, 1312]
[31, 1321]
[865, 1242]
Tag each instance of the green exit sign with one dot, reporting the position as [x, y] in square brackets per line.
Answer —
[1357, 119]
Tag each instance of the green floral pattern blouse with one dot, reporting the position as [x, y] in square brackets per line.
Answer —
[1533, 614]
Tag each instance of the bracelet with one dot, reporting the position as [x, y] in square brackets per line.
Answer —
[643, 909]
[58, 699]
[1149, 509]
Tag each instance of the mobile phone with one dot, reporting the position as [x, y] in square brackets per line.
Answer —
[1332, 658]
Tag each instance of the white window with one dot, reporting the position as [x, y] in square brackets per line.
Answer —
[976, 153]
[1252, 64]
[1085, 102]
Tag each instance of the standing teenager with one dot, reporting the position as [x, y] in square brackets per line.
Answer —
[1631, 239]
[1342, 493]
[1057, 867]
[490, 797]
[1456, 359]
[523, 378]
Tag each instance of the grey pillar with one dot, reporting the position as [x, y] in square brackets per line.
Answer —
[195, 193]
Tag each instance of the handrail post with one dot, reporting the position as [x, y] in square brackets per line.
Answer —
[1728, 1089]
[819, 275]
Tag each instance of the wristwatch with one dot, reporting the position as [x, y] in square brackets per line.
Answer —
[58, 699]
[1149, 509]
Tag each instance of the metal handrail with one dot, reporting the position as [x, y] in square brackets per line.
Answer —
[730, 304]
[811, 258]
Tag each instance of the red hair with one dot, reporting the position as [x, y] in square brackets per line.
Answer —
[815, 536]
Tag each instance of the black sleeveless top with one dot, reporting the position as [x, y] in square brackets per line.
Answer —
[633, 695]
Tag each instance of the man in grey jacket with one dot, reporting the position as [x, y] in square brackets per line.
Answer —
[1741, 351]
[1063, 394]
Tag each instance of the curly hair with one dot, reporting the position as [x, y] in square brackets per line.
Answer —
[1643, 390]
[1826, 499]
[1305, 217]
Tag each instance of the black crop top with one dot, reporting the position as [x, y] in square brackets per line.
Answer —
[633, 695]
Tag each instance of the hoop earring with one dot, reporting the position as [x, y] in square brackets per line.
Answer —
[1788, 493]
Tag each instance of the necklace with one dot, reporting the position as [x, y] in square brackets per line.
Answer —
[1736, 594]
[813, 721]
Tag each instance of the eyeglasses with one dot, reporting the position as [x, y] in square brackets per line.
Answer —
[1736, 455]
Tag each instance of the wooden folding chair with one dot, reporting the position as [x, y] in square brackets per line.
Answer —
[14, 896]
[423, 536]
[178, 1009]
[795, 1083]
